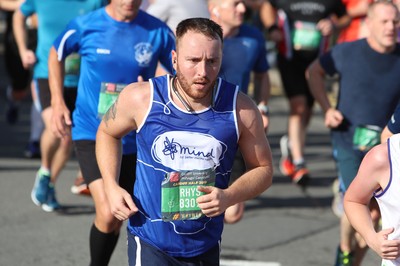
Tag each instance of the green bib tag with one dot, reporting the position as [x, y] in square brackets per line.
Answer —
[306, 36]
[179, 194]
[108, 95]
[72, 64]
[366, 136]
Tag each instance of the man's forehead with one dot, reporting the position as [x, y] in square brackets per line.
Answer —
[384, 9]
[193, 37]
[193, 48]
[222, 2]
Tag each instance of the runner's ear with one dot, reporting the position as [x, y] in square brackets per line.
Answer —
[215, 12]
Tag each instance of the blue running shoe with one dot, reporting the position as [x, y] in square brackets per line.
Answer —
[32, 150]
[40, 189]
[51, 203]
[343, 258]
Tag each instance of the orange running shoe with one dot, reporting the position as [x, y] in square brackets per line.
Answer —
[301, 176]
[286, 166]
[80, 187]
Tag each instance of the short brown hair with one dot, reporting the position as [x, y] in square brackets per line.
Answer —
[374, 3]
[201, 25]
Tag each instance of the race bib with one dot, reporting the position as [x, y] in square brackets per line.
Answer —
[108, 95]
[72, 64]
[306, 36]
[179, 194]
[366, 136]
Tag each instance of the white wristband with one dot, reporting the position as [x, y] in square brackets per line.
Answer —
[263, 109]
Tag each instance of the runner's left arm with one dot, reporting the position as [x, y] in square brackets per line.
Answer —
[256, 152]
[63, 45]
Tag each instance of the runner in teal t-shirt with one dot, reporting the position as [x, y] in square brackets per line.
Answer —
[52, 16]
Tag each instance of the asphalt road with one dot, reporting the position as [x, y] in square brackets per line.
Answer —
[285, 226]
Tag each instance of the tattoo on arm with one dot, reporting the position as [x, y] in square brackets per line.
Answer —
[111, 113]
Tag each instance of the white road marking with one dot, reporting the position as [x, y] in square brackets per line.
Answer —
[247, 263]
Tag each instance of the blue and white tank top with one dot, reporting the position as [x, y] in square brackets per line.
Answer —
[177, 151]
[389, 198]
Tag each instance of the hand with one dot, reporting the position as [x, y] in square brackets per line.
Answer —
[60, 120]
[121, 203]
[276, 36]
[265, 120]
[214, 202]
[28, 59]
[333, 118]
[386, 249]
[325, 26]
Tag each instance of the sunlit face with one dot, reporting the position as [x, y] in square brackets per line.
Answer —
[198, 61]
[124, 10]
[231, 12]
[383, 27]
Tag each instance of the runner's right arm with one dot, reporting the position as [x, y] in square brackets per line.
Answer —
[61, 117]
[119, 120]
[28, 57]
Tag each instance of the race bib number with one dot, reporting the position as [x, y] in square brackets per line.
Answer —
[179, 194]
[366, 136]
[306, 36]
[72, 64]
[108, 95]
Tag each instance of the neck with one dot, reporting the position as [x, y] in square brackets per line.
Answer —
[379, 48]
[181, 98]
[229, 31]
[113, 13]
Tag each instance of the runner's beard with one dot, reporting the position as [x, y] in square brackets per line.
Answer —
[186, 87]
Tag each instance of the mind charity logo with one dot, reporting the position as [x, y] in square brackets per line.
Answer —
[177, 150]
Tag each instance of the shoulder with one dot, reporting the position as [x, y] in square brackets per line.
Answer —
[89, 19]
[347, 49]
[151, 21]
[152, 24]
[136, 91]
[244, 101]
[349, 45]
[250, 30]
[249, 120]
[93, 15]
[378, 157]
[246, 108]
[135, 100]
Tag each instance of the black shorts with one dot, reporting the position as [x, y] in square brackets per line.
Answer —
[42, 88]
[142, 253]
[86, 154]
[19, 76]
[293, 74]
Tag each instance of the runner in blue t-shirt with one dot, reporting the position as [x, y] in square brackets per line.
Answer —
[244, 53]
[52, 17]
[369, 90]
[118, 44]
